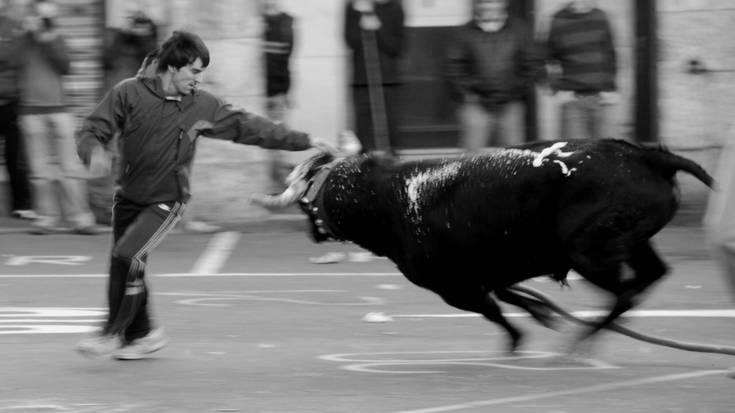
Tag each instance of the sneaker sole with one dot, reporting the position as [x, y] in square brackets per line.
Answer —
[92, 354]
[140, 356]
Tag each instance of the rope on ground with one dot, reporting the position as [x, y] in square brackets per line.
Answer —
[696, 347]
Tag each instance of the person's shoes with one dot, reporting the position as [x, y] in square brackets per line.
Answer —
[91, 230]
[141, 347]
[25, 214]
[101, 345]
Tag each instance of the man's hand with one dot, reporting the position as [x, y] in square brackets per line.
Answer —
[370, 22]
[564, 96]
[609, 98]
[363, 6]
[100, 164]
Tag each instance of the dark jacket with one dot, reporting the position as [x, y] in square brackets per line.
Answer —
[498, 67]
[389, 40]
[582, 43]
[279, 41]
[44, 63]
[9, 61]
[158, 136]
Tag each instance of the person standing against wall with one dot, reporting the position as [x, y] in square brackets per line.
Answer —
[581, 49]
[492, 64]
[14, 151]
[374, 31]
[49, 127]
[278, 42]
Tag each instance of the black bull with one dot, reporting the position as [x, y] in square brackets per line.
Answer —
[470, 226]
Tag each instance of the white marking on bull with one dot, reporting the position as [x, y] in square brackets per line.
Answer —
[554, 149]
[564, 169]
[417, 185]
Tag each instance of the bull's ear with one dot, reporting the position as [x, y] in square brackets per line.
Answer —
[348, 143]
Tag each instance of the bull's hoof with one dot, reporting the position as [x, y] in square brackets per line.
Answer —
[514, 344]
[545, 316]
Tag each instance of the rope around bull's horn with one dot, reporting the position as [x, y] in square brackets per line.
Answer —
[696, 347]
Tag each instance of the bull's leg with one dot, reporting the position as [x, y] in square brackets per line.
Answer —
[479, 301]
[538, 310]
[647, 268]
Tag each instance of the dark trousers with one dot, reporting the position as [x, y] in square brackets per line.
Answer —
[365, 119]
[15, 158]
[137, 229]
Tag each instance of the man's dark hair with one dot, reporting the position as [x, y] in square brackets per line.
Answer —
[181, 49]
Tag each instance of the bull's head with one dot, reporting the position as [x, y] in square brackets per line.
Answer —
[300, 178]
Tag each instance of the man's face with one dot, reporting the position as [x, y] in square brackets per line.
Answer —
[491, 10]
[186, 80]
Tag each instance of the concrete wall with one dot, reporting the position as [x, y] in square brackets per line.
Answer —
[695, 109]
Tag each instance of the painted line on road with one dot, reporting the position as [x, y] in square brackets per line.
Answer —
[582, 390]
[703, 313]
[216, 253]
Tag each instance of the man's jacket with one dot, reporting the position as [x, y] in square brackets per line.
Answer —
[498, 67]
[158, 136]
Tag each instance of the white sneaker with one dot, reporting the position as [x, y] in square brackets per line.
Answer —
[99, 346]
[139, 348]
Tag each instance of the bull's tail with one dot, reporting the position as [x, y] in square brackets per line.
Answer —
[670, 163]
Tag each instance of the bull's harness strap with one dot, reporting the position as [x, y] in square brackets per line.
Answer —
[313, 201]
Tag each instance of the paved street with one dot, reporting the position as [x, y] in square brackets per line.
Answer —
[255, 326]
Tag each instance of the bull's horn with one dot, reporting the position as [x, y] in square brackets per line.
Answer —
[348, 143]
[286, 198]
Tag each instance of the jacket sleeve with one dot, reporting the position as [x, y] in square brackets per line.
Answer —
[390, 34]
[247, 128]
[101, 125]
[352, 27]
[456, 66]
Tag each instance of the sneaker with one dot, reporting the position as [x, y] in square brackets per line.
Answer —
[99, 346]
[25, 214]
[141, 347]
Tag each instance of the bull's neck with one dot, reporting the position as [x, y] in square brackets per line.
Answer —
[356, 204]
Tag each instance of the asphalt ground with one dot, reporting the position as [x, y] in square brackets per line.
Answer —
[256, 327]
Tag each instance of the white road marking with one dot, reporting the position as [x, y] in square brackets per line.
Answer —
[707, 313]
[49, 320]
[216, 253]
[409, 363]
[572, 392]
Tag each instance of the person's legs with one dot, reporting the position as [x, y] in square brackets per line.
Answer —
[362, 119]
[72, 176]
[572, 120]
[128, 297]
[510, 125]
[43, 171]
[601, 126]
[15, 161]
[276, 108]
[137, 229]
[475, 127]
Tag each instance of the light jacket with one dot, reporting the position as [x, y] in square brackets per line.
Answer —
[158, 136]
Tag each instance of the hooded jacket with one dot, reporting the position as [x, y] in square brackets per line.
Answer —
[158, 136]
